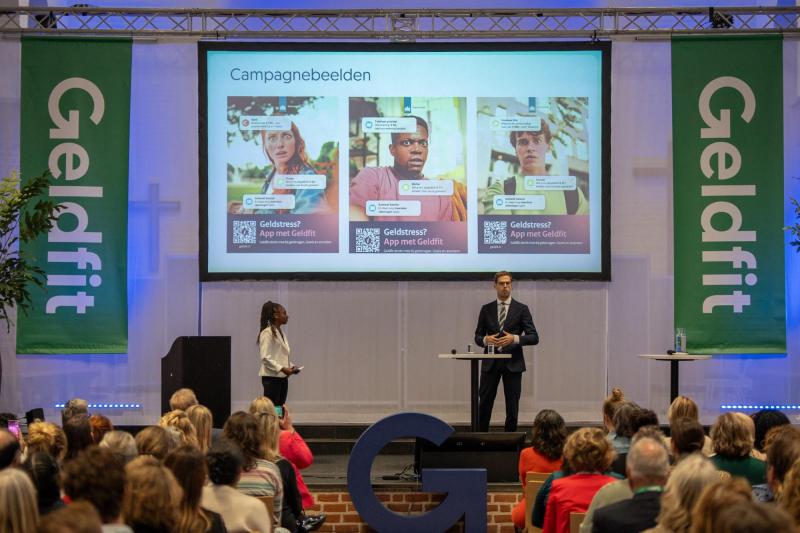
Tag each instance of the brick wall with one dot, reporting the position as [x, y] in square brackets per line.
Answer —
[343, 518]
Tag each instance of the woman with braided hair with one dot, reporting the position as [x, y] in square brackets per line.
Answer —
[273, 347]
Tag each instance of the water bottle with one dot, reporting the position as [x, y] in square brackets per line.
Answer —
[680, 340]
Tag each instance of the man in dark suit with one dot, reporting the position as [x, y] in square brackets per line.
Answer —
[647, 469]
[507, 325]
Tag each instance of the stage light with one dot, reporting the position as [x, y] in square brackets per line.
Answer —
[719, 20]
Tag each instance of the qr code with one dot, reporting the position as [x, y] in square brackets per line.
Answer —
[368, 240]
[494, 232]
[244, 232]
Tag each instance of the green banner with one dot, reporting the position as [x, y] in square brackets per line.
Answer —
[727, 131]
[75, 121]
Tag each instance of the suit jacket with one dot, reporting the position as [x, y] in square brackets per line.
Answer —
[634, 515]
[518, 322]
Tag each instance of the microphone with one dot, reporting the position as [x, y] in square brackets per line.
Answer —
[671, 352]
[453, 351]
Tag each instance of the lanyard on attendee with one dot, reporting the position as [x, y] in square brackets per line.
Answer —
[649, 488]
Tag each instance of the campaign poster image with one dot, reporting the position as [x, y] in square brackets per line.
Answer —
[282, 174]
[408, 176]
[533, 175]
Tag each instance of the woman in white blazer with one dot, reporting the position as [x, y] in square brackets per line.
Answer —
[273, 346]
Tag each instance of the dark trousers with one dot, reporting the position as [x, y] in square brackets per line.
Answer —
[276, 389]
[512, 389]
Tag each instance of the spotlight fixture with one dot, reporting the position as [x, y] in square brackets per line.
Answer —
[719, 20]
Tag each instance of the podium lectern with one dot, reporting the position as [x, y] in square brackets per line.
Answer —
[474, 358]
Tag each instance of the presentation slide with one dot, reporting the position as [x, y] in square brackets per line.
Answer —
[404, 161]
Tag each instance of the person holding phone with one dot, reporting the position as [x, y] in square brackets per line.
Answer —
[507, 325]
[273, 347]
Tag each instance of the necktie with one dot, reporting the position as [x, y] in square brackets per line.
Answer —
[502, 318]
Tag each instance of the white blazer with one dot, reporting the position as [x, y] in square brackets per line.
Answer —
[274, 350]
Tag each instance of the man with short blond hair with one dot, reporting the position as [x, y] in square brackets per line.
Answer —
[182, 399]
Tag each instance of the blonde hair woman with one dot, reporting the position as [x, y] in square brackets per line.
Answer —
[682, 490]
[732, 438]
[152, 496]
[201, 419]
[685, 407]
[264, 410]
[716, 497]
[179, 421]
[18, 508]
[47, 437]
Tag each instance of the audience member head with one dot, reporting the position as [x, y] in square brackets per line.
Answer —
[79, 435]
[18, 510]
[179, 421]
[783, 451]
[182, 399]
[188, 465]
[754, 517]
[264, 410]
[765, 420]
[96, 475]
[155, 441]
[549, 434]
[624, 418]
[47, 437]
[120, 443]
[587, 450]
[225, 462]
[687, 437]
[610, 405]
[245, 431]
[9, 449]
[647, 463]
[683, 407]
[789, 495]
[202, 420]
[683, 488]
[716, 497]
[75, 406]
[78, 517]
[100, 426]
[44, 472]
[152, 496]
[731, 436]
[642, 418]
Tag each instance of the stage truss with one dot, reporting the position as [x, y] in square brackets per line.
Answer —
[399, 25]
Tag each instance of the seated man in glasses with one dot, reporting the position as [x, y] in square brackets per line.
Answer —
[410, 151]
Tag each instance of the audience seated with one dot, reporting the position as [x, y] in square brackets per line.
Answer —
[620, 489]
[783, 450]
[789, 498]
[687, 437]
[9, 449]
[625, 422]
[733, 441]
[18, 509]
[259, 477]
[188, 464]
[763, 421]
[44, 472]
[100, 425]
[47, 437]
[79, 517]
[754, 517]
[97, 476]
[685, 407]
[202, 420]
[122, 444]
[152, 497]
[647, 471]
[610, 406]
[589, 455]
[179, 421]
[716, 497]
[79, 435]
[74, 406]
[544, 455]
[155, 441]
[241, 513]
[182, 399]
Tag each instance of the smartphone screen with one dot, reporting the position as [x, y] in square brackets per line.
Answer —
[279, 410]
[13, 427]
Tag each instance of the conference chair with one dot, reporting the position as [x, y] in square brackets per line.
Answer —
[533, 482]
[575, 521]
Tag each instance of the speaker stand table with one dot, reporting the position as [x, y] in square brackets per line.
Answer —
[674, 360]
[474, 358]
